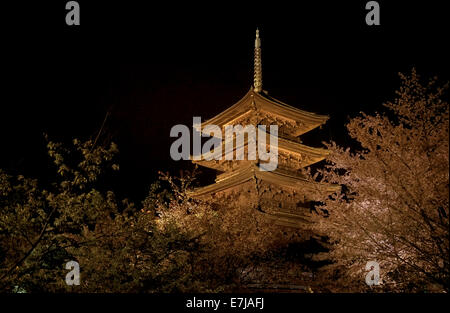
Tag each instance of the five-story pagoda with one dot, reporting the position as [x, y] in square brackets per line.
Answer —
[280, 194]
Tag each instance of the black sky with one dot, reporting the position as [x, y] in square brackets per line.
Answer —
[157, 65]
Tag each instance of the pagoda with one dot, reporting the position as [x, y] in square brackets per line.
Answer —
[281, 194]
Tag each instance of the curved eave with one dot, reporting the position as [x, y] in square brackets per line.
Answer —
[223, 185]
[312, 120]
[276, 177]
[234, 111]
[284, 145]
[270, 105]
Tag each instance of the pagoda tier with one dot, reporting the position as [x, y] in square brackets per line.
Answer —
[280, 194]
[280, 177]
[291, 155]
[258, 109]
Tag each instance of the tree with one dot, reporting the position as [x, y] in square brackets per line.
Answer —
[393, 207]
[39, 224]
[168, 243]
[118, 246]
[232, 243]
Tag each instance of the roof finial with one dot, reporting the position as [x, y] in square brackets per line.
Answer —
[257, 78]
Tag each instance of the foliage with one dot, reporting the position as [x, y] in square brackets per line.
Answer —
[170, 243]
[231, 241]
[393, 207]
[119, 248]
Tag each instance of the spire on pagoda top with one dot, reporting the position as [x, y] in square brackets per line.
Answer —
[257, 77]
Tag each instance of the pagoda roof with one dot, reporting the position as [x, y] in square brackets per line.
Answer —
[285, 146]
[260, 101]
[277, 177]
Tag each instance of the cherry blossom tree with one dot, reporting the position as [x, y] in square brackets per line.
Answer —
[393, 207]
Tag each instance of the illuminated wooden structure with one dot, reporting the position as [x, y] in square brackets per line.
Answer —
[280, 194]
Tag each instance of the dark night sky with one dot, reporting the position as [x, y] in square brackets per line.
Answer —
[155, 66]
